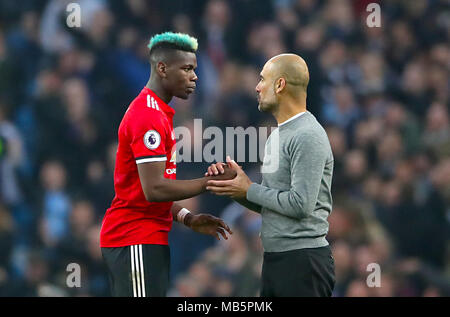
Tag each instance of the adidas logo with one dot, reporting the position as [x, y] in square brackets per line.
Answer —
[151, 102]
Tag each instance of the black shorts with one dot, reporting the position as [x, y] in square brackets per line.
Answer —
[139, 270]
[302, 272]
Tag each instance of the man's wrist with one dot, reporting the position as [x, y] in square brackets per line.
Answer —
[205, 181]
[183, 215]
[247, 187]
[188, 220]
[252, 191]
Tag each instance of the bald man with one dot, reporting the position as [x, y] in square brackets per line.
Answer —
[294, 198]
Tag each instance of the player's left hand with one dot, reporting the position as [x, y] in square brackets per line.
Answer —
[208, 224]
[235, 188]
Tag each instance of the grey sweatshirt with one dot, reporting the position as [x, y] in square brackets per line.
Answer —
[294, 198]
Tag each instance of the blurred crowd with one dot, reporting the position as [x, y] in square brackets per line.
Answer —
[382, 94]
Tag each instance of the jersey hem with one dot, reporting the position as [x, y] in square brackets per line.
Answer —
[161, 238]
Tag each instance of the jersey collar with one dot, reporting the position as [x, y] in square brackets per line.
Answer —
[168, 110]
[291, 118]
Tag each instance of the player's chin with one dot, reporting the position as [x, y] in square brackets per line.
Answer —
[263, 107]
[184, 95]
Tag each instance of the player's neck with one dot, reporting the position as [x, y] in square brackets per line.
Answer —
[157, 88]
[288, 109]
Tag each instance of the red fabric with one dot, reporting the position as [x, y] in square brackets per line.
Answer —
[131, 219]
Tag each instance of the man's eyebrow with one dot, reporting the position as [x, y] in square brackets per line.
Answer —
[261, 76]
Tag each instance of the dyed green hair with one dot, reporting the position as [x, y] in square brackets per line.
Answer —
[172, 40]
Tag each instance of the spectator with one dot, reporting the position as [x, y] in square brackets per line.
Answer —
[56, 203]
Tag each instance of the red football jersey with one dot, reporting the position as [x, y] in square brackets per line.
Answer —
[145, 135]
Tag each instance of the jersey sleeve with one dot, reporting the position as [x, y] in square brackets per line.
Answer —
[148, 139]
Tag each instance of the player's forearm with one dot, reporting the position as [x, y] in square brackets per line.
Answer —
[175, 210]
[172, 190]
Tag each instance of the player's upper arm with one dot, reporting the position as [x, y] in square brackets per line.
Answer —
[148, 139]
[150, 174]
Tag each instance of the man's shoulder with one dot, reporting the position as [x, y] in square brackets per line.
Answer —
[308, 132]
[145, 104]
[139, 118]
[140, 109]
[307, 126]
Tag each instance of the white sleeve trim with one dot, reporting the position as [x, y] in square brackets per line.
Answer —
[151, 159]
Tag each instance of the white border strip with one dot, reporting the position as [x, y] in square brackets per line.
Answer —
[151, 159]
[141, 262]
[133, 271]
[292, 118]
[138, 273]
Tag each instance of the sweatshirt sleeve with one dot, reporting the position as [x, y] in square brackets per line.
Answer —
[249, 205]
[308, 156]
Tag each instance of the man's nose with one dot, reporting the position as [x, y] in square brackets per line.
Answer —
[195, 78]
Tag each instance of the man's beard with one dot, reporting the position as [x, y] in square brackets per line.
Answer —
[266, 107]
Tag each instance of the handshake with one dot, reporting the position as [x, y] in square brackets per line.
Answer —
[227, 179]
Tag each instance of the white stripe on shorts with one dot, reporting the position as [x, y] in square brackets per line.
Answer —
[141, 262]
[137, 270]
[133, 271]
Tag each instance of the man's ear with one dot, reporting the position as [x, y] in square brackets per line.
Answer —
[161, 69]
[280, 84]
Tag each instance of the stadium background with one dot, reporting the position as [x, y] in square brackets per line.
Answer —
[382, 94]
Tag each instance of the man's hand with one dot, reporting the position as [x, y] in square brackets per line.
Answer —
[226, 172]
[208, 224]
[216, 169]
[236, 188]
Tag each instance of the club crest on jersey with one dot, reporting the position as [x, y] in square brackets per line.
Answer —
[152, 139]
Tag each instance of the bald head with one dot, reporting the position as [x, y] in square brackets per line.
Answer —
[282, 86]
[293, 69]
